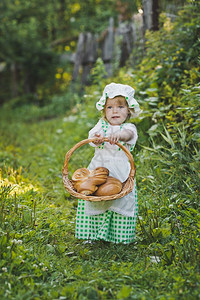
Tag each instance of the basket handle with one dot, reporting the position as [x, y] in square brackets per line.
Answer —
[87, 141]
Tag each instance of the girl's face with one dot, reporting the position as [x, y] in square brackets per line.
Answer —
[116, 110]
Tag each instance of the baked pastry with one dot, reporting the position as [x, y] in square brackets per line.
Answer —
[110, 187]
[80, 174]
[86, 182]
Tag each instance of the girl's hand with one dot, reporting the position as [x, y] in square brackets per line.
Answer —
[124, 135]
[114, 137]
[99, 139]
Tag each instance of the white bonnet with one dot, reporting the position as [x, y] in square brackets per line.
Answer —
[117, 89]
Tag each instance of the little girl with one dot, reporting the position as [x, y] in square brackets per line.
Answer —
[114, 220]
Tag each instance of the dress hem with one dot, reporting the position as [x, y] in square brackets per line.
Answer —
[101, 239]
[95, 213]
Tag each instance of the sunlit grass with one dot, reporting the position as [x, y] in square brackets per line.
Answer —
[13, 179]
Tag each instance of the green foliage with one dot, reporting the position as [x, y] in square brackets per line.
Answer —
[173, 182]
[171, 52]
[93, 15]
[35, 36]
[98, 73]
[32, 111]
[31, 61]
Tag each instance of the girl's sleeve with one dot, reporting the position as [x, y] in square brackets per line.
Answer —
[97, 129]
[133, 128]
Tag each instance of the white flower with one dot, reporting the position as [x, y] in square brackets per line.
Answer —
[72, 19]
[154, 259]
[59, 131]
[158, 67]
[17, 241]
[4, 269]
[69, 119]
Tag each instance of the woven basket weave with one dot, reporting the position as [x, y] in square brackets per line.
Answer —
[127, 185]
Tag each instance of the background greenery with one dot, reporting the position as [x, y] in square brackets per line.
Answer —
[40, 257]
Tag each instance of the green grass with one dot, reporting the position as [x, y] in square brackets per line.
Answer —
[40, 257]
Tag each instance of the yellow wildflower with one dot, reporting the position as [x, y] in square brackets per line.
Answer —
[75, 7]
[58, 76]
[67, 48]
[66, 76]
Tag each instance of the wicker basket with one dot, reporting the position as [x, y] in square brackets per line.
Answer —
[127, 186]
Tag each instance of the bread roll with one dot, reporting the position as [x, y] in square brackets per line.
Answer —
[80, 174]
[86, 182]
[85, 187]
[110, 187]
[99, 175]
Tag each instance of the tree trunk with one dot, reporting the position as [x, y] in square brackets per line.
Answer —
[78, 56]
[14, 79]
[108, 47]
[155, 16]
[150, 14]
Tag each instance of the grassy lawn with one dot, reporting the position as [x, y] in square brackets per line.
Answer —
[40, 257]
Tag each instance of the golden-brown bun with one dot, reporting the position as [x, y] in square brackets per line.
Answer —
[80, 174]
[86, 182]
[110, 187]
[85, 187]
[99, 175]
